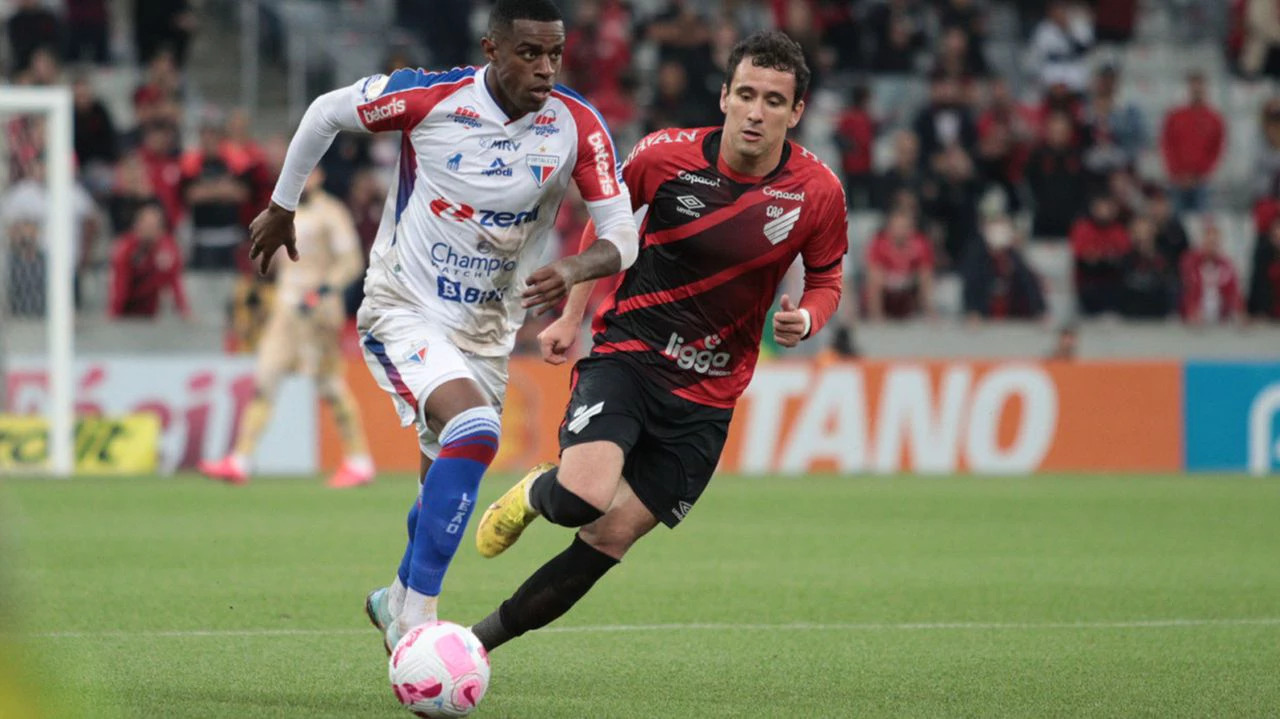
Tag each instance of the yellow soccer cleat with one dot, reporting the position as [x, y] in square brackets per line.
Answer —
[501, 524]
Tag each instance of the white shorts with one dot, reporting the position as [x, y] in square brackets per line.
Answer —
[410, 356]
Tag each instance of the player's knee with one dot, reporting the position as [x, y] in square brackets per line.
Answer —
[472, 434]
[610, 537]
[560, 505]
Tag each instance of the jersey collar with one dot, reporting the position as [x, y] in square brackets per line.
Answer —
[490, 104]
[711, 152]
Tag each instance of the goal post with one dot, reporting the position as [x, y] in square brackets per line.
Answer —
[54, 103]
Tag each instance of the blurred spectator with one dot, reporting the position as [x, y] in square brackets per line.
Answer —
[1115, 20]
[26, 263]
[1056, 177]
[1150, 287]
[25, 134]
[998, 282]
[87, 31]
[1260, 38]
[162, 83]
[1266, 170]
[95, 135]
[951, 204]
[32, 26]
[855, 137]
[449, 48]
[1210, 285]
[215, 185]
[1099, 243]
[599, 55]
[903, 174]
[1060, 46]
[131, 189]
[1264, 285]
[243, 151]
[145, 262]
[683, 36]
[956, 60]
[1066, 345]
[1116, 134]
[967, 17]
[899, 270]
[674, 105]
[344, 160]
[27, 202]
[160, 25]
[1005, 133]
[160, 156]
[1192, 142]
[898, 36]
[1171, 235]
[842, 34]
[945, 121]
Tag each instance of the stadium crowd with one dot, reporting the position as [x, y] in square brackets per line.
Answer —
[965, 185]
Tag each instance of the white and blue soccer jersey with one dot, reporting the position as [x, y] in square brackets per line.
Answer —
[476, 195]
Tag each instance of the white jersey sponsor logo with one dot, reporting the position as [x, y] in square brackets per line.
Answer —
[382, 112]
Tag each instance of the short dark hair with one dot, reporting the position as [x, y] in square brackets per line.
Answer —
[774, 50]
[506, 12]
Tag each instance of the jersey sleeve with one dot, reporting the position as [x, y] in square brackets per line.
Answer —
[401, 100]
[598, 168]
[826, 247]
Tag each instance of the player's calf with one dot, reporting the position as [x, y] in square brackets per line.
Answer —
[559, 505]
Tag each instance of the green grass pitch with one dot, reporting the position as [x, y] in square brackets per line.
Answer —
[813, 597]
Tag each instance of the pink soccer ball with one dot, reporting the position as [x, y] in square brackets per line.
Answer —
[439, 670]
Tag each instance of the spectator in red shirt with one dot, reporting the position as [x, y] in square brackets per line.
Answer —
[1264, 285]
[1192, 142]
[856, 136]
[1210, 285]
[145, 262]
[899, 270]
[1099, 243]
[159, 155]
[1006, 131]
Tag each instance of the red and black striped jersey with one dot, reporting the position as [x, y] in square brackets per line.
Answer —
[714, 247]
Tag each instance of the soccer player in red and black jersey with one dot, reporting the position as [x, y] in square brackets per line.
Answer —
[723, 213]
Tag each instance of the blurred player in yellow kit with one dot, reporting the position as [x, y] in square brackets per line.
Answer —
[303, 334]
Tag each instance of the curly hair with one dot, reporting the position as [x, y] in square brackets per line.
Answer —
[774, 50]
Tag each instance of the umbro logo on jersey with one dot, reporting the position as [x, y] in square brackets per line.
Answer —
[776, 231]
[682, 509]
[690, 205]
[497, 168]
[466, 116]
[544, 125]
[454, 162]
[382, 112]
[542, 166]
[582, 416]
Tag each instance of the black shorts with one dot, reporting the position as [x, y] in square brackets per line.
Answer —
[671, 445]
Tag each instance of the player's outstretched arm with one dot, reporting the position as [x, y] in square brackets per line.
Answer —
[329, 114]
[548, 284]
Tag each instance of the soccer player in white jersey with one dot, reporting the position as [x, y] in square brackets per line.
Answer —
[486, 155]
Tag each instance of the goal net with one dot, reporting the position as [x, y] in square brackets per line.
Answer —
[36, 281]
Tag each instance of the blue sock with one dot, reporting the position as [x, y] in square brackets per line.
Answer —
[403, 572]
[468, 444]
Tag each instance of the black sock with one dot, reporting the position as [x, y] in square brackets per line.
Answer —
[546, 595]
[559, 505]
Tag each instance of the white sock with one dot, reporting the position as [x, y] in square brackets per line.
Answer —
[417, 609]
[395, 596]
[360, 463]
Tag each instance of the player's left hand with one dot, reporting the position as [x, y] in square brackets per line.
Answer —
[788, 324]
[547, 286]
[269, 231]
[557, 339]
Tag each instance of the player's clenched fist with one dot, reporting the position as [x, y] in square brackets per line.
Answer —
[790, 324]
[557, 339]
[269, 231]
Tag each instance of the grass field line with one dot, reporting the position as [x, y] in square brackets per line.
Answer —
[698, 626]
